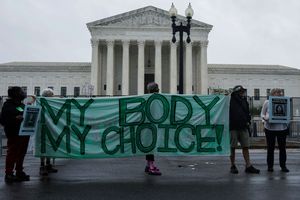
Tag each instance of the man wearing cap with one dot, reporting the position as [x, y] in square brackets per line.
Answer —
[239, 120]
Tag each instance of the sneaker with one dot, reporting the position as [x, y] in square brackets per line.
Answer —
[234, 170]
[22, 176]
[43, 171]
[50, 169]
[154, 171]
[252, 170]
[9, 178]
[284, 169]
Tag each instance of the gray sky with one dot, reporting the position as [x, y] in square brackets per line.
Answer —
[244, 32]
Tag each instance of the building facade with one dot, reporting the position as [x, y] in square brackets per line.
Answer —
[64, 78]
[134, 48]
[72, 79]
[258, 79]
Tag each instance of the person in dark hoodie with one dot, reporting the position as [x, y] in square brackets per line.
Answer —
[11, 118]
[239, 121]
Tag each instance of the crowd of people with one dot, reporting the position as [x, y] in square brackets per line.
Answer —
[239, 122]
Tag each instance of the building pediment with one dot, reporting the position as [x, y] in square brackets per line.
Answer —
[149, 16]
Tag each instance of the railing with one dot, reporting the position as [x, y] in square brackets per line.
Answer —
[257, 129]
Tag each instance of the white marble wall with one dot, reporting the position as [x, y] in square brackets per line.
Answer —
[290, 83]
[43, 80]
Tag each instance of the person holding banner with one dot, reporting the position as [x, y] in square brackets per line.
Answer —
[46, 168]
[273, 131]
[11, 118]
[239, 121]
[150, 168]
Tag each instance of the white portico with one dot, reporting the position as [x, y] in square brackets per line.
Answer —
[132, 49]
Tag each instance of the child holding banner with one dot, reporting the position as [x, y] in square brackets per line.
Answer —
[150, 168]
[11, 118]
[273, 131]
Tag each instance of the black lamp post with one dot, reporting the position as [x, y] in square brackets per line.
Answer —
[181, 29]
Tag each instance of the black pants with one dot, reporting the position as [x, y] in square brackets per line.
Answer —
[150, 157]
[281, 140]
[16, 151]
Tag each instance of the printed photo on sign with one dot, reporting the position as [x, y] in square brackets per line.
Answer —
[279, 109]
[30, 116]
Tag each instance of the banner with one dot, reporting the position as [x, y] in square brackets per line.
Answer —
[159, 124]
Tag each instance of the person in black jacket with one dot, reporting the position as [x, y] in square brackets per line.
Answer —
[239, 121]
[11, 118]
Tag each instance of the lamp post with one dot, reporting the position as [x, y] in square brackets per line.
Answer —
[181, 29]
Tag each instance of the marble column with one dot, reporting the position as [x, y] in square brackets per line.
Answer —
[158, 74]
[141, 67]
[197, 82]
[110, 68]
[203, 67]
[188, 70]
[125, 67]
[173, 68]
[95, 75]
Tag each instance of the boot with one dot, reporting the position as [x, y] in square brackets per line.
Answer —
[50, 169]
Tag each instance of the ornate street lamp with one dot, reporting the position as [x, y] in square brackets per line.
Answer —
[181, 29]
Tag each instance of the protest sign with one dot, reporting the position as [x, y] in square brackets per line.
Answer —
[30, 120]
[279, 109]
[160, 124]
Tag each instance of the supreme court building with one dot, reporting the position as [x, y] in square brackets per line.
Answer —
[132, 49]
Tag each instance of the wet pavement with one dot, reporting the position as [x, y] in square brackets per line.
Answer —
[205, 177]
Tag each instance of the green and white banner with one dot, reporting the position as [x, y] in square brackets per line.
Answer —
[159, 124]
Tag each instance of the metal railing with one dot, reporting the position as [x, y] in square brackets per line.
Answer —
[257, 129]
